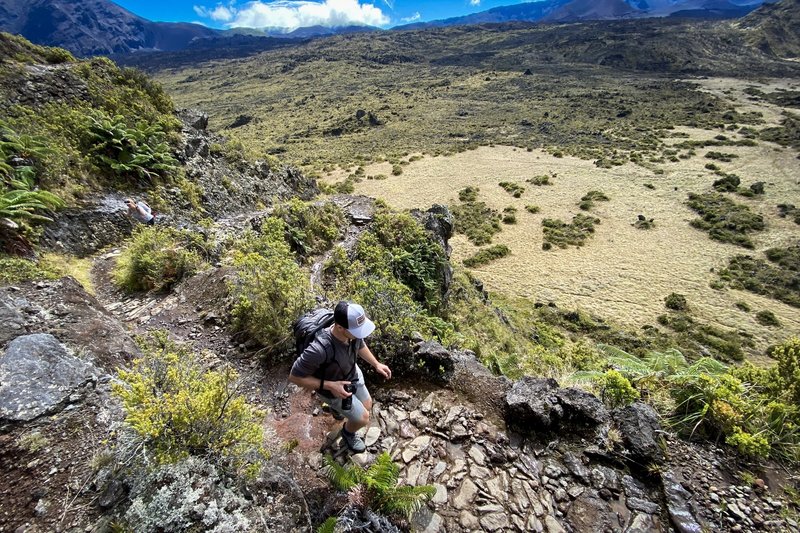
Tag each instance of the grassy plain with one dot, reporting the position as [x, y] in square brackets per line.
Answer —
[622, 273]
[605, 107]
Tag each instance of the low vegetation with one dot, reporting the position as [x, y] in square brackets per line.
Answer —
[269, 289]
[776, 277]
[724, 219]
[789, 211]
[311, 228]
[476, 220]
[158, 257]
[753, 409]
[559, 233]
[514, 189]
[179, 408]
[543, 179]
[487, 255]
[376, 488]
[588, 199]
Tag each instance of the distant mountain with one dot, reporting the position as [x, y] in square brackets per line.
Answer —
[317, 31]
[775, 28]
[578, 10]
[92, 27]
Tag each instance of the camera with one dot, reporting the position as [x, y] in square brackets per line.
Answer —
[347, 403]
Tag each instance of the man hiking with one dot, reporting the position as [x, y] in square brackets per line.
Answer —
[329, 366]
[140, 211]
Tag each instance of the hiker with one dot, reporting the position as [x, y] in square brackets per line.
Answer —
[140, 211]
[329, 365]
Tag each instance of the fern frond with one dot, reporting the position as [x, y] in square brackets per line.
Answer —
[407, 500]
[342, 478]
[328, 526]
[383, 473]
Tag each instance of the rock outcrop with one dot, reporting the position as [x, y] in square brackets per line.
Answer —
[38, 375]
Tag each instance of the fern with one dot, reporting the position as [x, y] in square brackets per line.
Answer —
[380, 484]
[328, 526]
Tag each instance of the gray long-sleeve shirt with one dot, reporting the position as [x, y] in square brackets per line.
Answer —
[341, 358]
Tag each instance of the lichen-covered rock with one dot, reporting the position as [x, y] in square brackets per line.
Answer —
[37, 376]
[65, 310]
[531, 404]
[639, 426]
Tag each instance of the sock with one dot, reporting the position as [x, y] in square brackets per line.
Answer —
[344, 430]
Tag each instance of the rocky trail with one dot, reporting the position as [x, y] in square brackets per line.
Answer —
[502, 456]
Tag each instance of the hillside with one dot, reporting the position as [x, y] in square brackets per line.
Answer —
[144, 367]
[94, 27]
[774, 28]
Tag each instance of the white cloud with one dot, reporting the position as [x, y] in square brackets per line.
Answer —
[416, 16]
[292, 14]
[219, 13]
[474, 2]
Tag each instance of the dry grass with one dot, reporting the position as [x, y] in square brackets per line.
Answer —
[622, 273]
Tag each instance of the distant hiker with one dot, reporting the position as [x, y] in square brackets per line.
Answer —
[140, 211]
[328, 364]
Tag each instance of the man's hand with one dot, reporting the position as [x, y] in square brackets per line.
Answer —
[337, 388]
[383, 370]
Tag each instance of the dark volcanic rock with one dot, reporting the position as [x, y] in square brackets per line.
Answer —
[539, 404]
[638, 423]
[680, 512]
[37, 375]
[531, 404]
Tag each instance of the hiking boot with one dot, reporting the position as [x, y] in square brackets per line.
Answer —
[353, 441]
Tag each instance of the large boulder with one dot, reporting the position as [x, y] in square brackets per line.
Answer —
[639, 426]
[538, 404]
[38, 375]
[65, 310]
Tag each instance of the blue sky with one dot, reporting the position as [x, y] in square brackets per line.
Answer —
[296, 13]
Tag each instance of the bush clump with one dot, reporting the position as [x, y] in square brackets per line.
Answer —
[728, 183]
[790, 211]
[615, 389]
[180, 409]
[532, 209]
[514, 189]
[725, 220]
[676, 302]
[510, 215]
[642, 222]
[158, 257]
[543, 179]
[269, 290]
[721, 156]
[777, 278]
[487, 255]
[477, 221]
[559, 233]
[468, 194]
[588, 199]
[768, 318]
[311, 228]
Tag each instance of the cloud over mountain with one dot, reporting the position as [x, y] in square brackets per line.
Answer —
[292, 14]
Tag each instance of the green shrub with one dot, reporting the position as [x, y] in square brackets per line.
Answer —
[397, 170]
[533, 209]
[720, 156]
[156, 258]
[544, 179]
[509, 215]
[787, 355]
[789, 210]
[17, 269]
[615, 389]
[269, 290]
[725, 220]
[487, 255]
[776, 278]
[728, 183]
[477, 221]
[767, 318]
[179, 408]
[514, 189]
[468, 194]
[676, 302]
[561, 234]
[311, 228]
[588, 199]
[750, 445]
